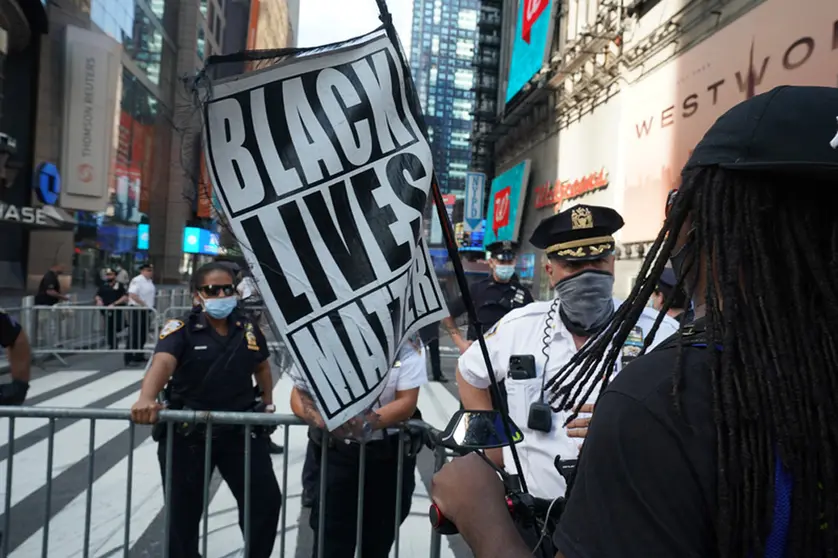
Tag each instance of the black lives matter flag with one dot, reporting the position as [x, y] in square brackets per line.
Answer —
[323, 173]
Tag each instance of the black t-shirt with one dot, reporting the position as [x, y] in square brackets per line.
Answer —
[492, 301]
[646, 483]
[111, 292]
[9, 330]
[48, 283]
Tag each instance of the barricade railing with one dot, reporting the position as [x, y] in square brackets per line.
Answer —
[60, 329]
[179, 419]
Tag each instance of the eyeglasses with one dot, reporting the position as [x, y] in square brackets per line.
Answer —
[215, 290]
[670, 201]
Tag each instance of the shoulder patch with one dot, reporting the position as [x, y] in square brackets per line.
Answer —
[170, 327]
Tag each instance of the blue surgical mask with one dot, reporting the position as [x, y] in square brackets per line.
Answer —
[220, 308]
[504, 272]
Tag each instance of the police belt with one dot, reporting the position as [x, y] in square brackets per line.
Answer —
[218, 430]
[376, 449]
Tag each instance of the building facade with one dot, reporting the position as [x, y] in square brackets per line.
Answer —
[441, 58]
[624, 92]
[23, 23]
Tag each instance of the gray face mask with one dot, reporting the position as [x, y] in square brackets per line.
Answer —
[586, 301]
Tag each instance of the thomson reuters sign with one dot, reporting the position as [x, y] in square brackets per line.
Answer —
[553, 194]
[91, 68]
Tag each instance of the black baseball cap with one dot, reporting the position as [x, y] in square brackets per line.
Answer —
[790, 128]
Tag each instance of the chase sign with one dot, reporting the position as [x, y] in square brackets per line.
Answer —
[47, 183]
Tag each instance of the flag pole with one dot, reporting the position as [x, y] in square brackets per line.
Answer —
[454, 256]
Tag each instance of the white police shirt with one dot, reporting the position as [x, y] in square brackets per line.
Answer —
[410, 371]
[144, 288]
[521, 332]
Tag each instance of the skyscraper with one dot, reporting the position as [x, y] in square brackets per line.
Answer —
[442, 50]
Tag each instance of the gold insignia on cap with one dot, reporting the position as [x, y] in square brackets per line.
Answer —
[581, 218]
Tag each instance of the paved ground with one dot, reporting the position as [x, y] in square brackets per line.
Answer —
[102, 382]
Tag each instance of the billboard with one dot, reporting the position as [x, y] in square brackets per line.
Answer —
[531, 43]
[473, 206]
[506, 204]
[142, 236]
[667, 112]
[200, 241]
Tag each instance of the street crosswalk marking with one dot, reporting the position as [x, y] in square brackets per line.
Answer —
[109, 489]
[82, 396]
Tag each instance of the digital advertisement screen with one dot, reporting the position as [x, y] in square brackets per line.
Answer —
[506, 204]
[531, 43]
[142, 236]
[473, 241]
[200, 241]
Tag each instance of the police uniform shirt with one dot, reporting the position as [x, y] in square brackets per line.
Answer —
[410, 371]
[144, 288]
[9, 330]
[647, 479]
[492, 301]
[230, 361]
[521, 332]
[110, 293]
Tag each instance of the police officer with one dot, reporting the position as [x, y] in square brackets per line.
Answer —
[19, 355]
[579, 245]
[210, 360]
[494, 296]
[396, 404]
[680, 311]
[112, 294]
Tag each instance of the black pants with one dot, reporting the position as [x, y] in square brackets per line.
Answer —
[114, 323]
[186, 506]
[433, 352]
[379, 521]
[311, 470]
[137, 333]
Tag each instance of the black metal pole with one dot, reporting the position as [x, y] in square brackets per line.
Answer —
[454, 255]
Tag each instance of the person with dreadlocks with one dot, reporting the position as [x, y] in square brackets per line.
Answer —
[723, 441]
[579, 245]
[680, 311]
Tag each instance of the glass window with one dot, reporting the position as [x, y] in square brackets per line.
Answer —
[465, 49]
[143, 131]
[433, 75]
[435, 45]
[203, 7]
[201, 42]
[463, 79]
[467, 20]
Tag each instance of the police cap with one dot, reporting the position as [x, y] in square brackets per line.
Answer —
[790, 128]
[503, 250]
[667, 278]
[583, 232]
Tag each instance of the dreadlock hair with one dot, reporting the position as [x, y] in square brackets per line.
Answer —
[770, 253]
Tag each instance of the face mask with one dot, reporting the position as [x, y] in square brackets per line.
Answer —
[220, 308]
[586, 301]
[504, 272]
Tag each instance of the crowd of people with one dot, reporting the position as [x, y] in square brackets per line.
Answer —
[697, 415]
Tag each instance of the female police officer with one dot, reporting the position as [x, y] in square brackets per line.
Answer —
[396, 404]
[210, 359]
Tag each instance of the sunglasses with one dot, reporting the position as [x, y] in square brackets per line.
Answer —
[216, 290]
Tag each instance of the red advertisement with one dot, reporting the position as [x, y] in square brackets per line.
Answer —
[500, 218]
[203, 206]
[532, 9]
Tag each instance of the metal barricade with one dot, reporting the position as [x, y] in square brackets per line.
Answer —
[60, 329]
[171, 418]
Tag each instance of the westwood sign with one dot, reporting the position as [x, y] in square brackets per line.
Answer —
[552, 194]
